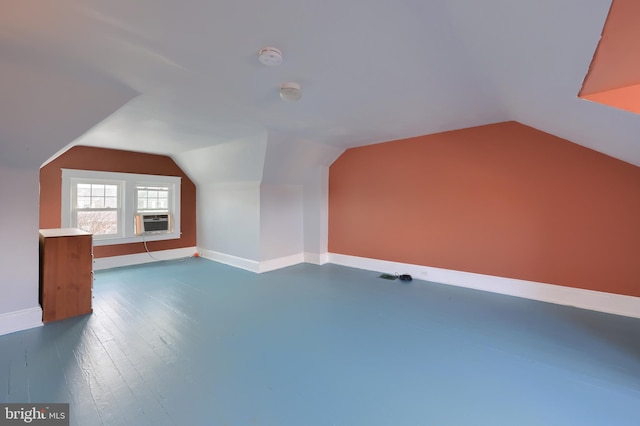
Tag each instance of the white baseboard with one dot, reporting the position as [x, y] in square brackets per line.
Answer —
[316, 258]
[24, 319]
[586, 299]
[227, 259]
[281, 262]
[252, 265]
[139, 258]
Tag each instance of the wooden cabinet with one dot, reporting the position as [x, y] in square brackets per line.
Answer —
[66, 273]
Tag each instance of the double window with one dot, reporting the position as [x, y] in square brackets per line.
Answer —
[106, 203]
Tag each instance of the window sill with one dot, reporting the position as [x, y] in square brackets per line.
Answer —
[134, 239]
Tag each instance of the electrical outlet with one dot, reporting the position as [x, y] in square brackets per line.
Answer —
[424, 273]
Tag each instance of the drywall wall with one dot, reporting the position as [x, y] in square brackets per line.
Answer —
[251, 197]
[100, 159]
[236, 161]
[614, 75]
[289, 160]
[229, 219]
[44, 107]
[19, 248]
[294, 197]
[280, 221]
[249, 221]
[228, 198]
[616, 62]
[315, 208]
[504, 200]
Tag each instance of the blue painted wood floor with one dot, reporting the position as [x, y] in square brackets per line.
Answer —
[199, 343]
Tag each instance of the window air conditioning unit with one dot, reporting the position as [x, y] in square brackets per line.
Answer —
[153, 224]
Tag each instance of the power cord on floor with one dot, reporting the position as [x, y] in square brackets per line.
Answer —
[397, 276]
[182, 259]
[147, 248]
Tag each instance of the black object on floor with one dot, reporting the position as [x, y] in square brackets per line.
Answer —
[389, 277]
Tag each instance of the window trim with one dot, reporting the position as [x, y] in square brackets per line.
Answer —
[148, 210]
[120, 209]
[128, 202]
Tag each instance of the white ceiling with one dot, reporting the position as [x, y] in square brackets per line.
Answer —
[188, 77]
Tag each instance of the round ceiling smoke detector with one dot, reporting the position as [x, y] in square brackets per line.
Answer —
[270, 56]
[290, 92]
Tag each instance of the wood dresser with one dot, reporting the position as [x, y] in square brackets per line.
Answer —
[66, 273]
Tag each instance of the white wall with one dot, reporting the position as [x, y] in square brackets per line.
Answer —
[236, 161]
[227, 178]
[249, 221]
[43, 109]
[295, 224]
[315, 202]
[19, 259]
[261, 199]
[281, 232]
[228, 219]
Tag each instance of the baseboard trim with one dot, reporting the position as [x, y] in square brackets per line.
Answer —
[10, 322]
[586, 299]
[140, 258]
[281, 262]
[316, 258]
[252, 265]
[227, 259]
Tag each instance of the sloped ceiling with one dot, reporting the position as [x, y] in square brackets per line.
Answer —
[370, 71]
[41, 110]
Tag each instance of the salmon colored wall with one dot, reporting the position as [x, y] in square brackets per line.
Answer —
[626, 98]
[614, 75]
[503, 199]
[616, 62]
[110, 160]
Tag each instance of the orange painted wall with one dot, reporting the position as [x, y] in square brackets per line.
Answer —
[110, 160]
[614, 75]
[616, 62]
[626, 98]
[503, 199]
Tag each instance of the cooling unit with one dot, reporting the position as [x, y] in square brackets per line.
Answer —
[153, 224]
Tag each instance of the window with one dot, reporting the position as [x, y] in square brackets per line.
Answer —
[106, 203]
[97, 207]
[152, 199]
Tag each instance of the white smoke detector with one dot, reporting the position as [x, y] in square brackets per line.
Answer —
[290, 92]
[270, 56]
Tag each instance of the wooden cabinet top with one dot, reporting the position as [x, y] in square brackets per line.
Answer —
[63, 232]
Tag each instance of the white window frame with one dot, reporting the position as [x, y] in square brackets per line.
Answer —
[128, 202]
[121, 217]
[148, 210]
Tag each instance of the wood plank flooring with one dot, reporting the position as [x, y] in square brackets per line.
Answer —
[195, 342]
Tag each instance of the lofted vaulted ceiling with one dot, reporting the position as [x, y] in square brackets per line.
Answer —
[178, 77]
